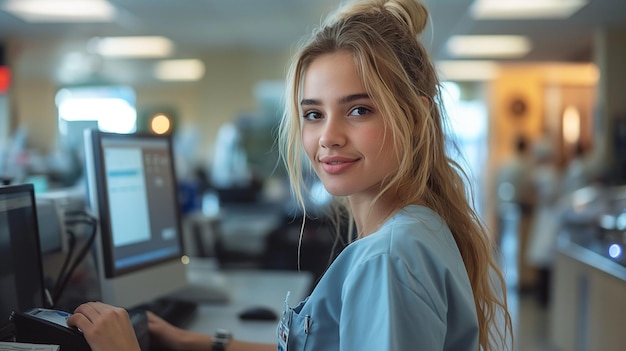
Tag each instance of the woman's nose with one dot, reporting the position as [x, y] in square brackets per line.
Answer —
[333, 134]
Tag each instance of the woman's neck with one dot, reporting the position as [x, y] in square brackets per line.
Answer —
[369, 216]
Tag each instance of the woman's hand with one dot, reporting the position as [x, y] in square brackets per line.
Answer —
[164, 334]
[105, 327]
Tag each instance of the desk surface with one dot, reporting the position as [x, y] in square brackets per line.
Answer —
[249, 288]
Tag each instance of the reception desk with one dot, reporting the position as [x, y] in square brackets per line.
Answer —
[588, 301]
[249, 288]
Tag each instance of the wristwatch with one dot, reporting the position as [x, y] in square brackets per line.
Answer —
[221, 339]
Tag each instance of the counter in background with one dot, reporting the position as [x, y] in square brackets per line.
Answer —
[588, 300]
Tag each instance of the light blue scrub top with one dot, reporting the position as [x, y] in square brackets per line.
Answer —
[402, 288]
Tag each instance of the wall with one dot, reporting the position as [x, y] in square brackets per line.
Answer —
[226, 90]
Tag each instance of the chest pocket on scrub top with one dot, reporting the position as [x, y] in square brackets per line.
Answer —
[293, 328]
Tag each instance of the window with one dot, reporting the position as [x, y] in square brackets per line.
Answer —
[107, 108]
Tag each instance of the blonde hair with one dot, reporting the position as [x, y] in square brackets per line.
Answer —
[398, 75]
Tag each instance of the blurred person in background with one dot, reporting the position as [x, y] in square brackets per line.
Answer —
[575, 175]
[545, 178]
[514, 205]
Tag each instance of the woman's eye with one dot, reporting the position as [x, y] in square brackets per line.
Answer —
[360, 111]
[313, 115]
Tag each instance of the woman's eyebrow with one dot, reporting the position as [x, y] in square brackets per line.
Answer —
[309, 102]
[353, 97]
[342, 100]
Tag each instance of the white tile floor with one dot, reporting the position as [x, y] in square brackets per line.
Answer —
[531, 323]
[530, 318]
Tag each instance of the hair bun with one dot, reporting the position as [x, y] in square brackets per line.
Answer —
[412, 13]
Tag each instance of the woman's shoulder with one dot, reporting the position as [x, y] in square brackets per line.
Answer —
[411, 233]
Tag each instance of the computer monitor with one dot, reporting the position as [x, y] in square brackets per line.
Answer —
[21, 277]
[132, 190]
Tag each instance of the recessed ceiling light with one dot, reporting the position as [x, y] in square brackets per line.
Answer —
[179, 70]
[61, 10]
[488, 46]
[143, 47]
[525, 9]
[467, 70]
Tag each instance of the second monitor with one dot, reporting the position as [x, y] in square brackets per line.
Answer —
[132, 189]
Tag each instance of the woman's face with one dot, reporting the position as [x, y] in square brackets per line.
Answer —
[343, 133]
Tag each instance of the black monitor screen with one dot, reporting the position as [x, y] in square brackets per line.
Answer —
[137, 201]
[21, 278]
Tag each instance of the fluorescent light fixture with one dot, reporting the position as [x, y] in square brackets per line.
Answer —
[467, 70]
[179, 70]
[140, 47]
[61, 10]
[488, 46]
[525, 9]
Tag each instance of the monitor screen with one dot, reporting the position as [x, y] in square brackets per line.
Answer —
[21, 277]
[132, 190]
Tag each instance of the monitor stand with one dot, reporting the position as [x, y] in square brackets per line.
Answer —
[206, 284]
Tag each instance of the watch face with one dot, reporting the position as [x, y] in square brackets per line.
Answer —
[223, 334]
[221, 339]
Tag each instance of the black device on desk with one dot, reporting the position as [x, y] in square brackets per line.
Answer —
[48, 326]
[45, 326]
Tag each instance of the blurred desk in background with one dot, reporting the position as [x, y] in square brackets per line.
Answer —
[249, 288]
[237, 235]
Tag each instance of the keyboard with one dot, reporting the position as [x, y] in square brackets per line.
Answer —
[174, 311]
[140, 324]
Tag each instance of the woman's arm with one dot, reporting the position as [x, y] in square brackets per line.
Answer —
[108, 328]
[176, 338]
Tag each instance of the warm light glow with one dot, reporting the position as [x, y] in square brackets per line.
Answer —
[160, 124]
[525, 9]
[467, 70]
[488, 46]
[571, 125]
[183, 70]
[61, 10]
[145, 47]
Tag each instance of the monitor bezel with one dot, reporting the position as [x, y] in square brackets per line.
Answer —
[101, 184]
[28, 188]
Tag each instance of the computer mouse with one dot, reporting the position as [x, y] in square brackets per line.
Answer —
[258, 313]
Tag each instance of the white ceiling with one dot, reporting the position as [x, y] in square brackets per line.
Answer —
[199, 26]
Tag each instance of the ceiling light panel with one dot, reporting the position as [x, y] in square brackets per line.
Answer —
[525, 9]
[179, 70]
[49, 11]
[488, 46]
[132, 47]
[467, 70]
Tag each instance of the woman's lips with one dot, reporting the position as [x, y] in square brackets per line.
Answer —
[336, 165]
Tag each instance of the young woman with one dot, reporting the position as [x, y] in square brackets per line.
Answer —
[363, 106]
